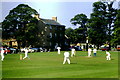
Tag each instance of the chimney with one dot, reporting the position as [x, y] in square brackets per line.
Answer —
[37, 16]
[54, 18]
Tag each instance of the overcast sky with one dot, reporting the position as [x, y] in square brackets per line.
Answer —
[63, 10]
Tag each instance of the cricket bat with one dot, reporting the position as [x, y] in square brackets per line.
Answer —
[29, 47]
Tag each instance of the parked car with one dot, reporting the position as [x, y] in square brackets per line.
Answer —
[12, 50]
[118, 48]
[104, 48]
[35, 49]
[41, 49]
[5, 50]
[29, 50]
[77, 48]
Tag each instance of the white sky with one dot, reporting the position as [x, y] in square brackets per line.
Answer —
[64, 10]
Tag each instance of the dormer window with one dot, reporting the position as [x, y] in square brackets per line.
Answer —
[50, 27]
[50, 35]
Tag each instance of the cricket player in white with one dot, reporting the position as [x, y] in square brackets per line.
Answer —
[73, 52]
[26, 53]
[66, 57]
[89, 52]
[95, 51]
[2, 54]
[108, 56]
[58, 50]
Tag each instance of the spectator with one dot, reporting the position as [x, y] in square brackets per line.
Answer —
[95, 51]
[58, 50]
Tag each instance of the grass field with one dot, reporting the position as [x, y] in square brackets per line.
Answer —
[49, 65]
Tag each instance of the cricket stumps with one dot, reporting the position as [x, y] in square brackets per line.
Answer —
[20, 56]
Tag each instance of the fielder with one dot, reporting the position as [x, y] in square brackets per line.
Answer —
[89, 52]
[2, 54]
[26, 54]
[95, 51]
[58, 50]
[66, 57]
[73, 52]
[108, 55]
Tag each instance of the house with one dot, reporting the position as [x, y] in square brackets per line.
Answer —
[51, 33]
[11, 42]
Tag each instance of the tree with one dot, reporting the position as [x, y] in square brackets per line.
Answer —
[103, 17]
[97, 24]
[96, 33]
[110, 17]
[116, 35]
[80, 35]
[81, 21]
[21, 25]
[70, 34]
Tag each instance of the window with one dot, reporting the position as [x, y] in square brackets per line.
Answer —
[60, 28]
[42, 32]
[50, 35]
[50, 27]
[45, 28]
[55, 35]
[60, 35]
[50, 44]
[56, 28]
[43, 43]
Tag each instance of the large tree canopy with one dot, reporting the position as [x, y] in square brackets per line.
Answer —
[80, 20]
[81, 32]
[99, 28]
[70, 34]
[97, 24]
[110, 17]
[21, 25]
[101, 23]
[116, 35]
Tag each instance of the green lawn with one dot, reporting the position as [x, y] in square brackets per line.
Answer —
[49, 65]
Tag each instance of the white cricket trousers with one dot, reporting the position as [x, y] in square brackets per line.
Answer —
[25, 56]
[89, 54]
[66, 59]
[108, 58]
[58, 51]
[72, 54]
[2, 56]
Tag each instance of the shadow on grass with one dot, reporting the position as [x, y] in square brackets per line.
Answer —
[73, 63]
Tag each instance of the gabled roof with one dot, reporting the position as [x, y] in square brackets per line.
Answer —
[51, 22]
